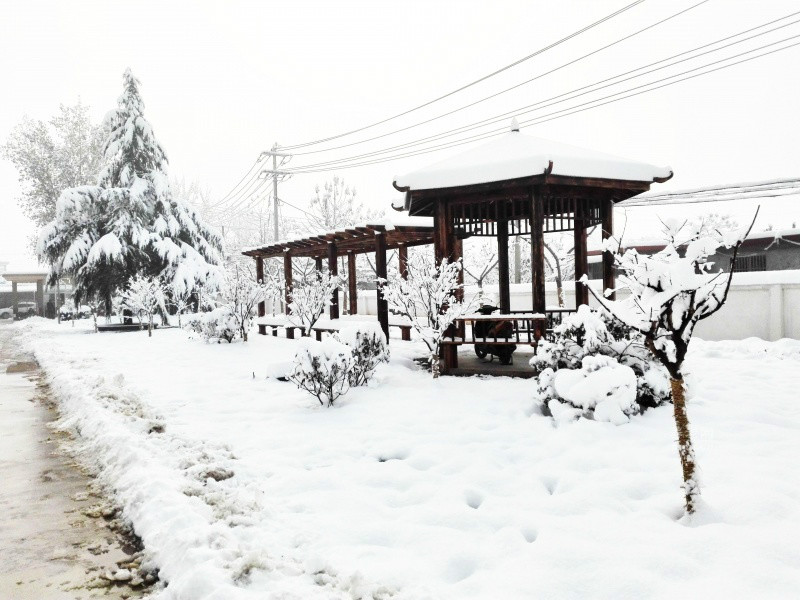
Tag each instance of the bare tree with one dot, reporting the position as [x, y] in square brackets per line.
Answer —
[52, 156]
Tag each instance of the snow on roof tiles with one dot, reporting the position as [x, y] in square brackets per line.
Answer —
[515, 155]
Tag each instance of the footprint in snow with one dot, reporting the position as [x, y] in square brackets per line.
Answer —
[473, 498]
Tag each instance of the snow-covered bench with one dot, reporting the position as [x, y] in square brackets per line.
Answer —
[274, 323]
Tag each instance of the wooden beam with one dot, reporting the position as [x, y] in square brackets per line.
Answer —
[262, 306]
[380, 270]
[502, 259]
[537, 250]
[581, 258]
[333, 269]
[287, 279]
[402, 260]
[352, 281]
[609, 278]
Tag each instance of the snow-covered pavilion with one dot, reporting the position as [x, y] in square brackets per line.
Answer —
[517, 184]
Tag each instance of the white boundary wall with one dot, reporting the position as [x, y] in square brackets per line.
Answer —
[765, 305]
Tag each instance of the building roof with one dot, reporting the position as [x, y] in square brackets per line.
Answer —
[515, 155]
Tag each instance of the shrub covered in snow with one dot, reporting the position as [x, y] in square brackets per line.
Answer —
[597, 365]
[323, 368]
[368, 345]
[217, 324]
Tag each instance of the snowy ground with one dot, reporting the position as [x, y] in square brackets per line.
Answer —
[455, 488]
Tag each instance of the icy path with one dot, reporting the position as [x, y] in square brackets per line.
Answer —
[49, 548]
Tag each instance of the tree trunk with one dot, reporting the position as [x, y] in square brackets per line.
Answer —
[685, 450]
[150, 326]
[435, 365]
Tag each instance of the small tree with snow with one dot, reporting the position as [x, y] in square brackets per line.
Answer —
[180, 298]
[144, 296]
[241, 294]
[308, 299]
[429, 299]
[670, 292]
[323, 369]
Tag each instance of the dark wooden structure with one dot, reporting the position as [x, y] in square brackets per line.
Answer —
[531, 205]
[349, 242]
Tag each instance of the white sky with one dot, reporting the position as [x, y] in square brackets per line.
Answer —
[224, 80]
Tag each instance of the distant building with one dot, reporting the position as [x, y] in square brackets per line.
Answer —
[762, 251]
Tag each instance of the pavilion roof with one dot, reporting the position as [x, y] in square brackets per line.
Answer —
[357, 239]
[515, 156]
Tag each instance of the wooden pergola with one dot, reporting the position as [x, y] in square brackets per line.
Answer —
[521, 185]
[349, 242]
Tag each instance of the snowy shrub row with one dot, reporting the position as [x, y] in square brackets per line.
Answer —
[598, 367]
[328, 369]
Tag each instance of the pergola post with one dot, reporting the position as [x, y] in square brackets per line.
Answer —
[318, 263]
[609, 279]
[380, 269]
[537, 251]
[352, 288]
[402, 260]
[502, 259]
[333, 269]
[287, 279]
[15, 297]
[262, 306]
[581, 259]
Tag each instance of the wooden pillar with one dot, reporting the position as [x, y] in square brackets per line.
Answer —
[15, 297]
[333, 269]
[40, 297]
[287, 279]
[402, 260]
[352, 281]
[537, 250]
[502, 260]
[380, 270]
[318, 263]
[262, 306]
[443, 240]
[609, 279]
[441, 232]
[581, 259]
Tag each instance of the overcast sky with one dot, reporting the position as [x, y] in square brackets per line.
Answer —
[223, 81]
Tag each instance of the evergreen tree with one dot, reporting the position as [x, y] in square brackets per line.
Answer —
[129, 223]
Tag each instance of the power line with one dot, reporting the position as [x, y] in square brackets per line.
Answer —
[481, 79]
[501, 92]
[573, 93]
[567, 112]
[238, 183]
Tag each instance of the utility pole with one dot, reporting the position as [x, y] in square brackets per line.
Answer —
[275, 173]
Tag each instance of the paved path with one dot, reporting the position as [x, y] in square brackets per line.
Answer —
[50, 549]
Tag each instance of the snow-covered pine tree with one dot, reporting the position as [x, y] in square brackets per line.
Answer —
[129, 223]
[670, 292]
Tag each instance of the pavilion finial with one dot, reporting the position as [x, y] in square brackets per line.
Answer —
[514, 124]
